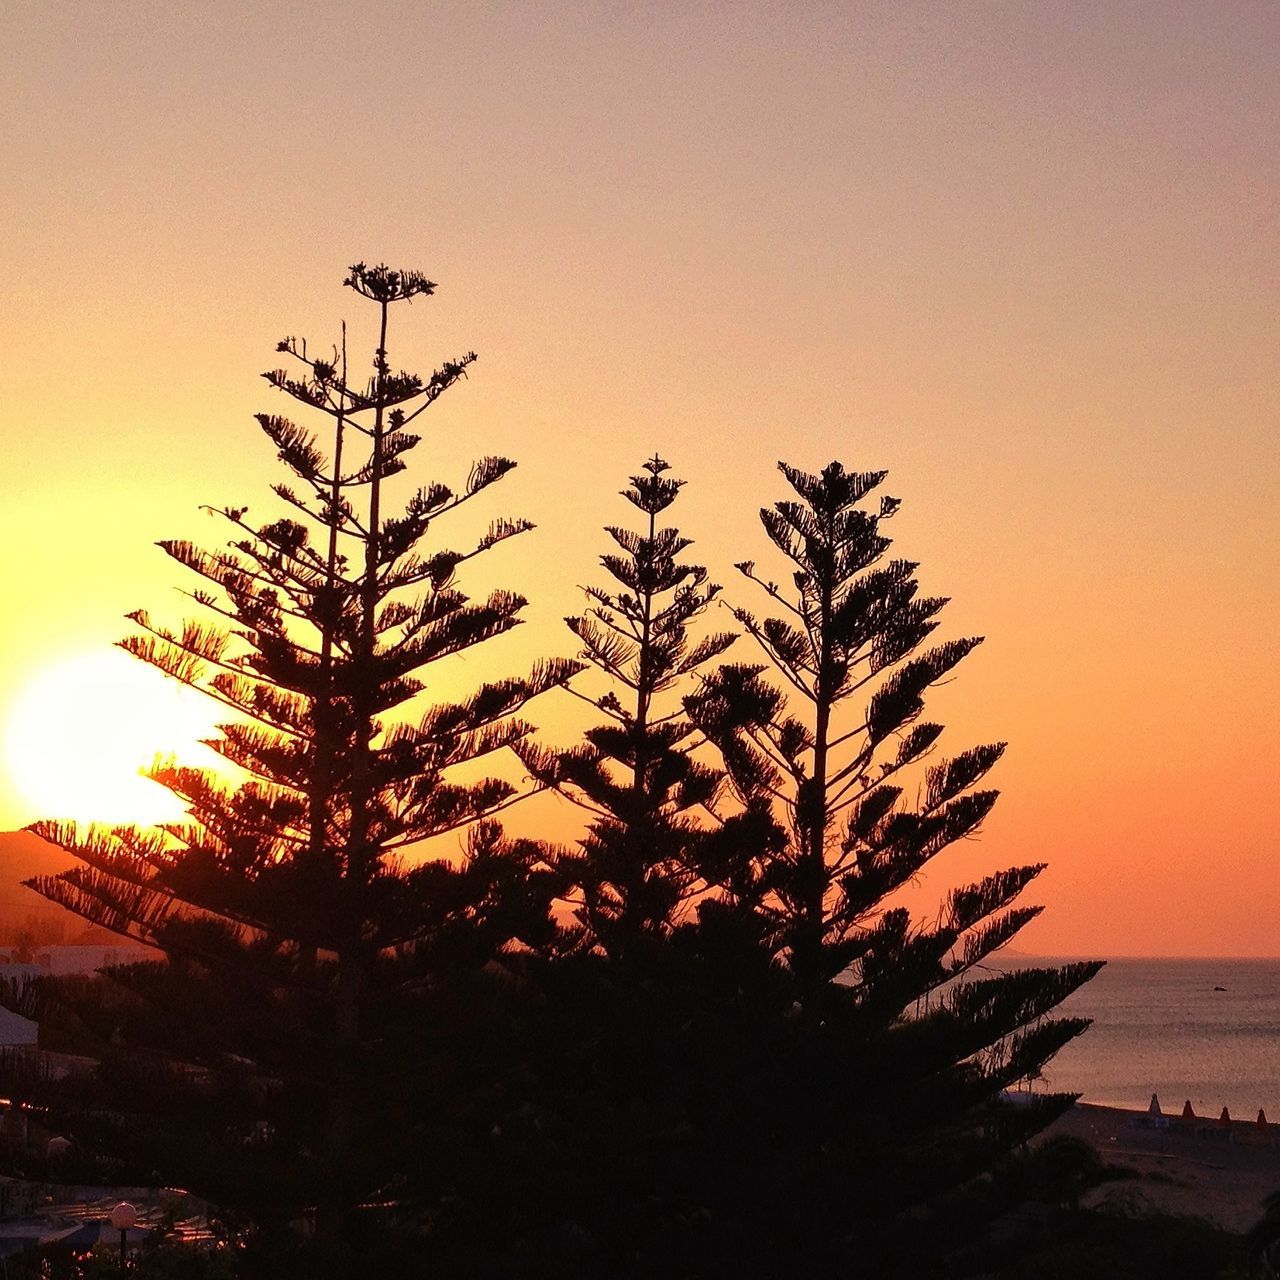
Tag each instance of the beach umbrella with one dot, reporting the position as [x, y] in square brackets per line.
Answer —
[1225, 1118]
[1154, 1108]
[1262, 1118]
[1187, 1112]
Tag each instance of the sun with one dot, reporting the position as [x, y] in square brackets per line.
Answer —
[84, 729]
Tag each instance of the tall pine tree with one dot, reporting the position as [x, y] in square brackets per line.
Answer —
[644, 1014]
[636, 773]
[906, 1049]
[282, 1056]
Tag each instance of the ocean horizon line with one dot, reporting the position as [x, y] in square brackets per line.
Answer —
[1115, 955]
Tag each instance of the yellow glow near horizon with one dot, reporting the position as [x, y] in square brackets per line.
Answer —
[86, 727]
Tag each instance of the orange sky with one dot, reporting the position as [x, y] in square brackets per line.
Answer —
[1022, 254]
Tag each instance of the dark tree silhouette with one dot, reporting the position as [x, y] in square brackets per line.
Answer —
[1264, 1238]
[635, 1008]
[635, 773]
[924, 1041]
[852, 629]
[281, 1057]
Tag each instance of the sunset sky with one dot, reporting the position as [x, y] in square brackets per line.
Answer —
[1024, 255]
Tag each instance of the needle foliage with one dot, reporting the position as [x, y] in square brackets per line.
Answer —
[281, 1057]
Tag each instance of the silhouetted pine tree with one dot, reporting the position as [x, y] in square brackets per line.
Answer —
[284, 1053]
[894, 1097]
[621, 1110]
[635, 773]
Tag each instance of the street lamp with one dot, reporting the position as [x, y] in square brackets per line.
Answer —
[123, 1216]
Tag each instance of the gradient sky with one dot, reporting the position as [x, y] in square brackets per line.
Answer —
[1022, 254]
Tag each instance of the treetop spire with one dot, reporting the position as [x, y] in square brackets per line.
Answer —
[383, 284]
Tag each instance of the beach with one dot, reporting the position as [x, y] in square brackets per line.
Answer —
[1196, 1169]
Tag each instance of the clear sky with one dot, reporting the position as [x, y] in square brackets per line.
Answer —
[1022, 254]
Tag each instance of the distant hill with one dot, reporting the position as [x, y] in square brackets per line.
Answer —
[23, 856]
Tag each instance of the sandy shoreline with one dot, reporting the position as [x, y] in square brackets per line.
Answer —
[1200, 1168]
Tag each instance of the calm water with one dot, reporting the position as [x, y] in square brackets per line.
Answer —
[1160, 1025]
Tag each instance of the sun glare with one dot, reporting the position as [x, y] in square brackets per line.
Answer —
[86, 727]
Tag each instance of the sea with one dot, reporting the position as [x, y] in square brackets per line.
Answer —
[1204, 1031]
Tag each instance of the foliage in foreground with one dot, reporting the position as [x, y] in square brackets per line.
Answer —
[1121, 1246]
[741, 1055]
